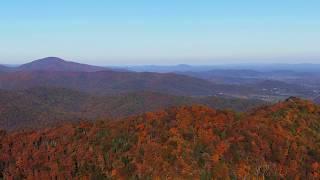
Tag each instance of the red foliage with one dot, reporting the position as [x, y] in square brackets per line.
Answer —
[279, 141]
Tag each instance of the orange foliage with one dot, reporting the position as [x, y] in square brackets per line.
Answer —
[278, 141]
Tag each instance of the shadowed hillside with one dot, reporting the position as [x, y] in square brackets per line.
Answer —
[190, 142]
[42, 107]
[112, 82]
[4, 69]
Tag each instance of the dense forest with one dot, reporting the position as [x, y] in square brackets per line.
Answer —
[186, 142]
[42, 107]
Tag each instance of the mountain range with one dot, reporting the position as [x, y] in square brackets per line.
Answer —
[55, 72]
[58, 73]
[111, 82]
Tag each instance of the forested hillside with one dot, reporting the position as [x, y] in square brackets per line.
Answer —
[110, 82]
[42, 107]
[281, 141]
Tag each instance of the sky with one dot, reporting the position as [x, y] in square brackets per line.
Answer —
[136, 32]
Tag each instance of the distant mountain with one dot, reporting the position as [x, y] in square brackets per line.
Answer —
[229, 76]
[317, 100]
[57, 64]
[111, 82]
[247, 76]
[42, 107]
[4, 68]
[190, 142]
[281, 83]
[227, 72]
[168, 69]
[301, 67]
[313, 68]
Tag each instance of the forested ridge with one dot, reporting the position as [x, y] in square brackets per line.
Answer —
[186, 142]
[43, 107]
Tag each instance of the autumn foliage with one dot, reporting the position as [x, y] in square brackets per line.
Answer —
[189, 142]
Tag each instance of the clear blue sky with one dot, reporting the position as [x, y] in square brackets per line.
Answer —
[119, 32]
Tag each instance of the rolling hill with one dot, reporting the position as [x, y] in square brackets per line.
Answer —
[58, 73]
[277, 83]
[112, 82]
[4, 69]
[190, 142]
[58, 64]
[43, 107]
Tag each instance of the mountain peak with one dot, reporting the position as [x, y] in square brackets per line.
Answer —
[51, 59]
[58, 64]
[46, 61]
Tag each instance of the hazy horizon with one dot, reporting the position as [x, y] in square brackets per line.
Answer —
[217, 63]
[161, 33]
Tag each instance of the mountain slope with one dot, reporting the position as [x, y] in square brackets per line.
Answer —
[195, 142]
[43, 107]
[57, 64]
[4, 69]
[111, 82]
[317, 100]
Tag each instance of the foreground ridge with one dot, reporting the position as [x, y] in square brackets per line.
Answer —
[279, 141]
